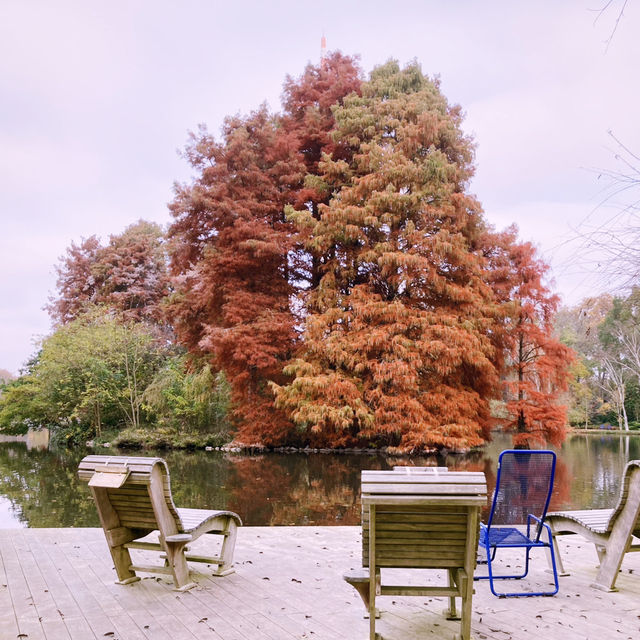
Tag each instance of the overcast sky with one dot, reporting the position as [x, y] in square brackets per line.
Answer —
[97, 97]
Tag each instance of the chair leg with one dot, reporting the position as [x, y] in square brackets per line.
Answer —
[610, 562]
[378, 586]
[230, 534]
[556, 556]
[466, 584]
[178, 565]
[122, 563]
[451, 612]
[492, 578]
[552, 555]
[372, 609]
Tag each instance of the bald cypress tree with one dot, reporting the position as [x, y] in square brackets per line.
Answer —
[240, 271]
[536, 363]
[397, 349]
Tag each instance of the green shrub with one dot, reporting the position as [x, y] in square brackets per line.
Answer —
[166, 438]
[186, 395]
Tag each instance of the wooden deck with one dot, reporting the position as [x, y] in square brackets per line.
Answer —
[58, 584]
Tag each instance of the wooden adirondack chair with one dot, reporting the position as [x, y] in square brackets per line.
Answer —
[611, 530]
[133, 499]
[423, 520]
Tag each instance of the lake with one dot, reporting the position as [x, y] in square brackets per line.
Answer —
[39, 487]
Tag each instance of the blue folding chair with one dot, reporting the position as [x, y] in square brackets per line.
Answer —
[523, 489]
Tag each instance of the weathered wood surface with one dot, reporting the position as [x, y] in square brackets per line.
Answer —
[133, 498]
[58, 584]
[611, 530]
[421, 521]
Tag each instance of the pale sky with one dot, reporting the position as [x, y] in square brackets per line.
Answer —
[97, 97]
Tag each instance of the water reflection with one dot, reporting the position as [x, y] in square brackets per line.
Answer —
[39, 488]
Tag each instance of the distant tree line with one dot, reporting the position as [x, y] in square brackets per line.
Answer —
[327, 280]
[604, 331]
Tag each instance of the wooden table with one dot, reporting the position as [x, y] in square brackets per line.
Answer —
[422, 521]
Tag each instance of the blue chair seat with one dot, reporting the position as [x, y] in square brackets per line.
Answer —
[509, 537]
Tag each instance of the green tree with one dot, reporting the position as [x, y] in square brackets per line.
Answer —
[592, 390]
[89, 373]
[187, 395]
[21, 406]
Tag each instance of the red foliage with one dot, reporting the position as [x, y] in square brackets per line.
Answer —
[230, 245]
[237, 261]
[308, 103]
[536, 363]
[128, 275]
[76, 284]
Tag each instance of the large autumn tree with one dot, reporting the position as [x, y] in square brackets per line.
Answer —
[396, 345]
[331, 258]
[238, 266]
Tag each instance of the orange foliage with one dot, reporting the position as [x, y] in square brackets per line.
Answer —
[332, 256]
[537, 364]
[397, 351]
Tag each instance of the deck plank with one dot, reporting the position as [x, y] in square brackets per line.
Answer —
[60, 585]
[24, 608]
[8, 620]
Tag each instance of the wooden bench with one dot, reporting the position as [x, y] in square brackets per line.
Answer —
[420, 521]
[133, 499]
[611, 530]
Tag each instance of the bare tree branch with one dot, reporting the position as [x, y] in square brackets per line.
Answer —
[603, 10]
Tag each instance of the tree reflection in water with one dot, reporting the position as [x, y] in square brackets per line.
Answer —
[41, 489]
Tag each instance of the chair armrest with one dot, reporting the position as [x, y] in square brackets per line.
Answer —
[179, 537]
[531, 517]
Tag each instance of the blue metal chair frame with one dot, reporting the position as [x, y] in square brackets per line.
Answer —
[493, 537]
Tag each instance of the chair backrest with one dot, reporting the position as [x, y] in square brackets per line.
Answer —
[524, 484]
[631, 475]
[423, 520]
[418, 537]
[132, 491]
